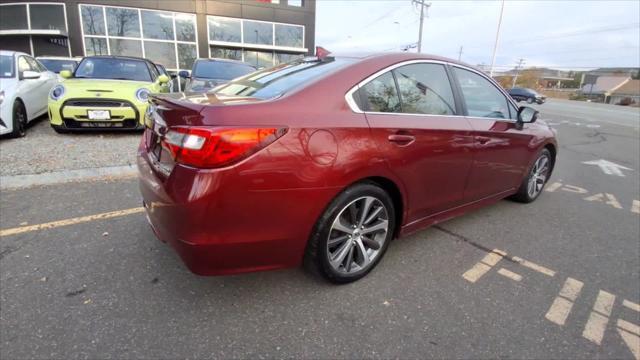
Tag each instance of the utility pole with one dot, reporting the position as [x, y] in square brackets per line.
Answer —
[515, 78]
[495, 46]
[422, 16]
[460, 53]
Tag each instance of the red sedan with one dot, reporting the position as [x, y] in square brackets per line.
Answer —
[323, 161]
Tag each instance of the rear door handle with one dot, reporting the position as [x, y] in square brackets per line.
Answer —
[401, 139]
[483, 139]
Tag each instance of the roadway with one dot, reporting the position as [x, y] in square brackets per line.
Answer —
[562, 281]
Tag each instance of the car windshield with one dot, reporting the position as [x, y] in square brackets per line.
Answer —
[6, 66]
[113, 68]
[273, 82]
[223, 70]
[57, 65]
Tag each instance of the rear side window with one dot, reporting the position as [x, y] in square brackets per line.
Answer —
[482, 98]
[380, 95]
[425, 89]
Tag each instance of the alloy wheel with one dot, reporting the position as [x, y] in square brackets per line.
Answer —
[21, 121]
[357, 235]
[538, 176]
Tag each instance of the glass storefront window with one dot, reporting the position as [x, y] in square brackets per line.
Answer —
[157, 25]
[95, 46]
[13, 17]
[161, 52]
[226, 53]
[259, 59]
[187, 54]
[289, 35]
[286, 57]
[125, 47]
[257, 32]
[123, 22]
[47, 17]
[185, 27]
[224, 29]
[92, 20]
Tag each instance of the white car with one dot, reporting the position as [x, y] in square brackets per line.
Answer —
[24, 90]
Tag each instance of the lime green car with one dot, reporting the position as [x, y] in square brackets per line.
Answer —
[105, 92]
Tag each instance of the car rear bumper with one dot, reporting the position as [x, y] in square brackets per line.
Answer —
[220, 225]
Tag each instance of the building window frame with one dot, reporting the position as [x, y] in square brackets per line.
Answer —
[28, 31]
[142, 39]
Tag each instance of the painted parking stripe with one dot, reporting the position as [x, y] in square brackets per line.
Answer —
[631, 305]
[632, 341]
[599, 317]
[632, 328]
[533, 266]
[562, 304]
[72, 221]
[484, 265]
[509, 274]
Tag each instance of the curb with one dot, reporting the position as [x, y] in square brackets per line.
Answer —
[60, 177]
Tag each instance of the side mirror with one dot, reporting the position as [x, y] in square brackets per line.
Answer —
[184, 74]
[28, 74]
[527, 114]
[66, 74]
[163, 79]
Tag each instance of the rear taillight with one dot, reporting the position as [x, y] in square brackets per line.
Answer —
[210, 147]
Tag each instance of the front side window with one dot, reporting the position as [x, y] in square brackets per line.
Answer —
[23, 65]
[481, 97]
[380, 95]
[425, 89]
[113, 68]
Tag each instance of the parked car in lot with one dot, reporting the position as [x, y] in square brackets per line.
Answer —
[323, 161]
[209, 73]
[105, 92]
[24, 86]
[528, 95]
[57, 64]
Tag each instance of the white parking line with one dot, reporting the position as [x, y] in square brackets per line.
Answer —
[561, 306]
[631, 305]
[534, 266]
[509, 274]
[599, 317]
[484, 265]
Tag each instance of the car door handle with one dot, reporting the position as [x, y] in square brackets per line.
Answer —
[402, 139]
[483, 139]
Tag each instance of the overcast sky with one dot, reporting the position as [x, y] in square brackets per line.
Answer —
[559, 34]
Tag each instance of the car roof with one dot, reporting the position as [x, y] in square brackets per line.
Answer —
[12, 53]
[398, 57]
[225, 60]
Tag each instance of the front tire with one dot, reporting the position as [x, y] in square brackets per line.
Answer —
[352, 235]
[536, 178]
[529, 100]
[19, 120]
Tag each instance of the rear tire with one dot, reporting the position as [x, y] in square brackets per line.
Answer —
[19, 120]
[352, 235]
[60, 130]
[533, 184]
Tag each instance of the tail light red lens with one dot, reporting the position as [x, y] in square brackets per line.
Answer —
[210, 147]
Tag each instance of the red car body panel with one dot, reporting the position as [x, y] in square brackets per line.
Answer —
[258, 214]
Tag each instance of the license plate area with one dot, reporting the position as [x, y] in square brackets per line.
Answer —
[99, 114]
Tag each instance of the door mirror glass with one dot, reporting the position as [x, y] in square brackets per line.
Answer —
[28, 74]
[65, 74]
[163, 79]
[527, 114]
[184, 74]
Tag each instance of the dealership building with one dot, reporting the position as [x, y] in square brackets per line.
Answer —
[170, 32]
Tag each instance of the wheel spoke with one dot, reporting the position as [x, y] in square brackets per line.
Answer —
[338, 240]
[382, 225]
[374, 214]
[349, 261]
[353, 212]
[370, 243]
[338, 256]
[368, 201]
[340, 225]
[363, 253]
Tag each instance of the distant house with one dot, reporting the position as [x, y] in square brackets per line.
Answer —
[603, 87]
[628, 93]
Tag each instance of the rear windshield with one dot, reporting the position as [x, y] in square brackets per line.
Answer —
[6, 66]
[57, 65]
[271, 83]
[220, 70]
[113, 68]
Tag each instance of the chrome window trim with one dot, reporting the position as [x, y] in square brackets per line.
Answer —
[354, 107]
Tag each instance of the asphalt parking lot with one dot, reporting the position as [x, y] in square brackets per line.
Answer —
[559, 278]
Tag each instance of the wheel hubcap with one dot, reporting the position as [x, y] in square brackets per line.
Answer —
[357, 235]
[538, 176]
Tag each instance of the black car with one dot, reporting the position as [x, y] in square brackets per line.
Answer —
[528, 95]
[209, 73]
